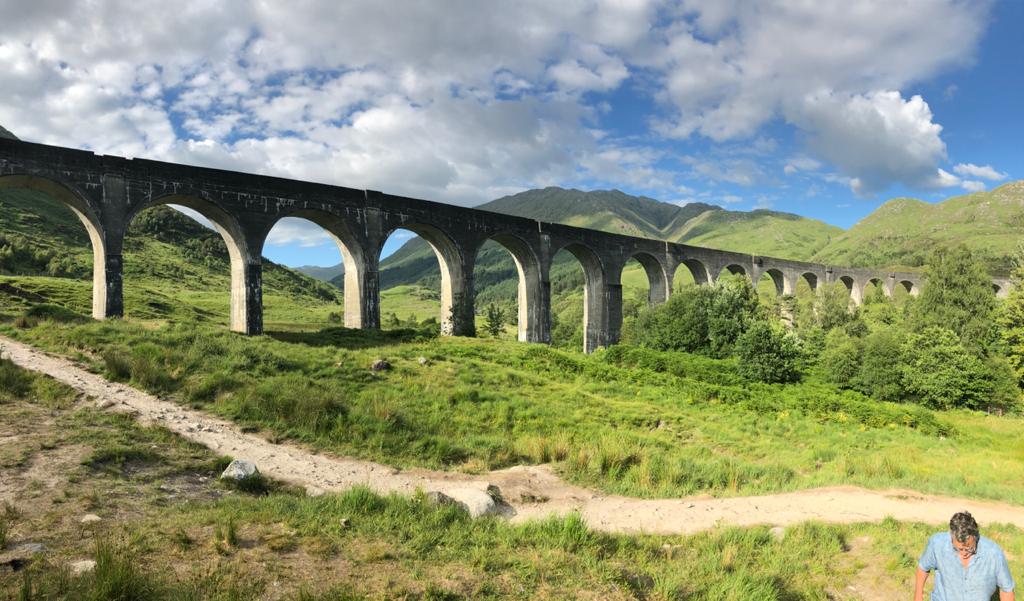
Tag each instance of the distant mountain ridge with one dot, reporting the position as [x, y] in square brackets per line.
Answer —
[903, 232]
[5, 133]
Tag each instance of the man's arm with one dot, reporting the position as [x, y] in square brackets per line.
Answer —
[922, 576]
[1005, 595]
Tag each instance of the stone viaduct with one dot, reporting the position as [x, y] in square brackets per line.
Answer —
[107, 192]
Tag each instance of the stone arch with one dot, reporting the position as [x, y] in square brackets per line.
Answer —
[595, 305]
[456, 301]
[779, 279]
[102, 306]
[699, 271]
[811, 279]
[996, 289]
[353, 256]
[246, 281]
[530, 300]
[657, 277]
[734, 269]
[878, 283]
[910, 287]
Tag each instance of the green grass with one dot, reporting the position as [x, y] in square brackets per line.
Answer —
[625, 420]
[360, 545]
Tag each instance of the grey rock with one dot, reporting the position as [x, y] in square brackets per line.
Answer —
[423, 361]
[90, 518]
[439, 498]
[20, 555]
[477, 502]
[778, 533]
[82, 566]
[239, 469]
[380, 365]
[29, 548]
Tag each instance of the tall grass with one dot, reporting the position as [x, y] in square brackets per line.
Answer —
[625, 420]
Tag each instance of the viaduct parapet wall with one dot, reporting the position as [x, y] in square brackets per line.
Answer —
[107, 192]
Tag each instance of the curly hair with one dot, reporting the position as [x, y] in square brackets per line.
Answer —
[962, 526]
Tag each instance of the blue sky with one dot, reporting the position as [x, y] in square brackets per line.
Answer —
[825, 109]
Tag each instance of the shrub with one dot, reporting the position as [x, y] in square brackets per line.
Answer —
[495, 320]
[768, 353]
[699, 319]
[941, 373]
[840, 361]
[881, 374]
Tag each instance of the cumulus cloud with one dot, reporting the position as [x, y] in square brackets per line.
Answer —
[874, 139]
[477, 99]
[984, 172]
[730, 67]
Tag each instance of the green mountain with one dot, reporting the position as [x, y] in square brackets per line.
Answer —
[904, 231]
[324, 274]
[606, 210]
[173, 266]
[762, 232]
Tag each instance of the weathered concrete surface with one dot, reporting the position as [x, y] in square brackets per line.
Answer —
[107, 192]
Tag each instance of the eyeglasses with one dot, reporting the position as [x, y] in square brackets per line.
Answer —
[965, 550]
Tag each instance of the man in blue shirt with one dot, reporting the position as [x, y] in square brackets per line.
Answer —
[968, 566]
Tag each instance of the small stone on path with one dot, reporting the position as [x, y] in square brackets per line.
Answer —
[90, 518]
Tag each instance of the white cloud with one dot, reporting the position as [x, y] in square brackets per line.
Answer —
[874, 139]
[473, 99]
[734, 66]
[973, 186]
[800, 163]
[301, 232]
[984, 172]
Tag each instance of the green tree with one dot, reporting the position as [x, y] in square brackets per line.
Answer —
[958, 295]
[1011, 324]
[699, 319]
[940, 373]
[767, 352]
[840, 360]
[881, 370]
[494, 317]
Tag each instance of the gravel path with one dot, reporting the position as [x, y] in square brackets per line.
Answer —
[531, 491]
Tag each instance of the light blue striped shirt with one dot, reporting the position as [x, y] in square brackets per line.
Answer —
[986, 571]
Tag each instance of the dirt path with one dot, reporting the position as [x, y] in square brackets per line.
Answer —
[532, 491]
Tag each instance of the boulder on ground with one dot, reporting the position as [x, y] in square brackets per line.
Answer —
[380, 365]
[423, 361]
[439, 498]
[90, 518]
[476, 502]
[239, 469]
[82, 566]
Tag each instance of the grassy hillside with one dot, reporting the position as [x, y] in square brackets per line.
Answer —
[760, 232]
[607, 210]
[904, 231]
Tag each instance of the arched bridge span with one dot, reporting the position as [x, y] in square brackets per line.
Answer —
[107, 191]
